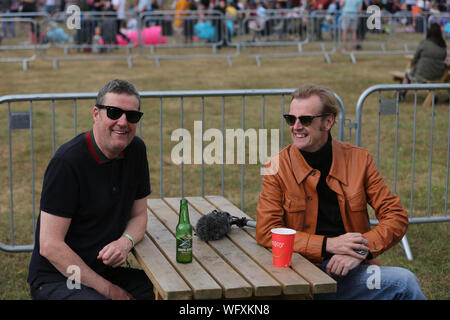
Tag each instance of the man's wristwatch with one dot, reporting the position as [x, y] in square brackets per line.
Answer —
[363, 253]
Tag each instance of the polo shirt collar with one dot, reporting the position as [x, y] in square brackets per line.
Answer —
[95, 151]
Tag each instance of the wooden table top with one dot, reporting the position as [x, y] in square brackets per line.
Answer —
[230, 268]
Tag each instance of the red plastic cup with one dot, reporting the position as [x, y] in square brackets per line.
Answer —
[282, 246]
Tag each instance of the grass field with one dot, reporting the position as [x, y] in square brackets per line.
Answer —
[429, 242]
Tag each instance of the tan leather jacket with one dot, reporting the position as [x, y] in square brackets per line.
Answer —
[289, 199]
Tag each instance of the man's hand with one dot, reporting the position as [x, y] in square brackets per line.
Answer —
[115, 254]
[117, 293]
[340, 265]
[346, 244]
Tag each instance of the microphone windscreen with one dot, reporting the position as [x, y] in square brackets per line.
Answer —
[213, 226]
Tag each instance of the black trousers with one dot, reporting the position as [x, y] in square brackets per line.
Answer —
[134, 281]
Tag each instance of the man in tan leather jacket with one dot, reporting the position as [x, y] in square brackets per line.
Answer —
[321, 188]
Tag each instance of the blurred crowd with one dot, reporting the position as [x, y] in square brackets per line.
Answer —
[53, 6]
[185, 29]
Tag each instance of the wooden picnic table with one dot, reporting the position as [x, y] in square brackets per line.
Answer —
[230, 268]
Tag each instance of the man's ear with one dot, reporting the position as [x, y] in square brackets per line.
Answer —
[95, 113]
[328, 122]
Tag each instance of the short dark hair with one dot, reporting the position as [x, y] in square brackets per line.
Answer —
[118, 86]
[326, 96]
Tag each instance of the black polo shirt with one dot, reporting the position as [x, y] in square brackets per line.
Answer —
[97, 193]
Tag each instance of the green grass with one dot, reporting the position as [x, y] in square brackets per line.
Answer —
[429, 242]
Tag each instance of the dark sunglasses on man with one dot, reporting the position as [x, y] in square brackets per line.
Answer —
[115, 113]
[304, 120]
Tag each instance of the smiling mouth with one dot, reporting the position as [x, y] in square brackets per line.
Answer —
[120, 132]
[300, 135]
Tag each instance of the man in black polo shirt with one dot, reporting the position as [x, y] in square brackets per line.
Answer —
[93, 207]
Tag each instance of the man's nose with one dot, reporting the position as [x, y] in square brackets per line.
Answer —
[123, 119]
[298, 124]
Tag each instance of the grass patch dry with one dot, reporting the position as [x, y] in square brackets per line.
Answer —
[429, 242]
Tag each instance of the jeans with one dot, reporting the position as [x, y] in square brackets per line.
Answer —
[133, 281]
[370, 282]
[10, 25]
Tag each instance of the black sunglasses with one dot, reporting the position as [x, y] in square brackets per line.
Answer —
[115, 113]
[304, 120]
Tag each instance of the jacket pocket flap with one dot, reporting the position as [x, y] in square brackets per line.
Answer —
[294, 204]
[358, 202]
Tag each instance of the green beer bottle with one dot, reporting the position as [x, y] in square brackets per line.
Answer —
[184, 234]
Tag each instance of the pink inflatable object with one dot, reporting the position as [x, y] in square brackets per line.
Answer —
[151, 35]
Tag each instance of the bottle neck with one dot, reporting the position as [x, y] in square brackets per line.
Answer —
[184, 213]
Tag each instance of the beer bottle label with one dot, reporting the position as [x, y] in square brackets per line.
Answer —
[184, 249]
[184, 243]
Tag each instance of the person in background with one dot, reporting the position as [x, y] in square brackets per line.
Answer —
[30, 6]
[350, 10]
[120, 7]
[221, 29]
[189, 21]
[50, 6]
[180, 7]
[428, 63]
[317, 13]
[5, 8]
[142, 6]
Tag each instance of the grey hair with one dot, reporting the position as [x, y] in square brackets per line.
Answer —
[118, 86]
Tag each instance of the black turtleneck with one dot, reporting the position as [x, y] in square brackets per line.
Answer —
[329, 220]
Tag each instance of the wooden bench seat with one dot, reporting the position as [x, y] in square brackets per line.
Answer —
[444, 79]
[397, 75]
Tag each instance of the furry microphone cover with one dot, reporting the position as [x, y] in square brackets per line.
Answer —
[213, 226]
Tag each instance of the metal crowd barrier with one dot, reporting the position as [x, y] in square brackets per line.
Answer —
[409, 147]
[95, 39]
[210, 34]
[37, 124]
[22, 42]
[406, 135]
[411, 155]
[287, 33]
[399, 33]
[199, 34]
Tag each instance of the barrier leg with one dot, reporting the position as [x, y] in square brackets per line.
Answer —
[258, 61]
[230, 64]
[405, 246]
